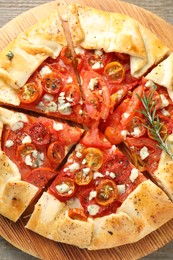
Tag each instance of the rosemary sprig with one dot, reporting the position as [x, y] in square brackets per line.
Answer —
[155, 126]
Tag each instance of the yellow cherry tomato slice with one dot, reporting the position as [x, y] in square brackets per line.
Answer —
[93, 157]
[28, 93]
[115, 72]
[107, 192]
[83, 177]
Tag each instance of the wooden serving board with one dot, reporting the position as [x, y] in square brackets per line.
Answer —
[36, 245]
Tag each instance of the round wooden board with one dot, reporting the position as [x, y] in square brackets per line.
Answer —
[36, 245]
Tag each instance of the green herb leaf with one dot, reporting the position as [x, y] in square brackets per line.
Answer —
[10, 55]
[155, 126]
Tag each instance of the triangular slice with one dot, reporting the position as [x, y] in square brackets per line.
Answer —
[147, 130]
[36, 73]
[31, 150]
[99, 200]
[111, 49]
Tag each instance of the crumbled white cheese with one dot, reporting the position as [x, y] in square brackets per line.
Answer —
[92, 194]
[144, 152]
[97, 65]
[26, 139]
[65, 109]
[45, 70]
[136, 131]
[62, 188]
[79, 50]
[120, 93]
[73, 167]
[48, 97]
[85, 171]
[57, 126]
[112, 175]
[149, 84]
[17, 126]
[41, 106]
[97, 174]
[134, 174]
[98, 52]
[84, 161]
[80, 112]
[165, 112]
[69, 99]
[93, 82]
[113, 148]
[52, 106]
[28, 160]
[9, 143]
[121, 188]
[41, 156]
[35, 153]
[62, 94]
[69, 80]
[126, 115]
[93, 209]
[78, 154]
[165, 102]
[124, 133]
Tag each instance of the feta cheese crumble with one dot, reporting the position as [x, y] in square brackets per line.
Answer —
[144, 153]
[93, 209]
[134, 174]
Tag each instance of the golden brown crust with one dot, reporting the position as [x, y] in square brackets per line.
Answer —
[163, 73]
[133, 220]
[29, 50]
[50, 219]
[113, 32]
[144, 210]
[164, 173]
[15, 195]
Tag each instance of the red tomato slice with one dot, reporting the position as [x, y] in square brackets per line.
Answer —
[83, 178]
[77, 214]
[63, 188]
[66, 56]
[95, 138]
[40, 177]
[72, 94]
[55, 152]
[96, 94]
[40, 135]
[52, 83]
[113, 135]
[138, 124]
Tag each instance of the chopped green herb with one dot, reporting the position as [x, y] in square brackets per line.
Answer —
[10, 55]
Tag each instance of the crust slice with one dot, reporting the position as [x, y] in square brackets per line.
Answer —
[114, 32]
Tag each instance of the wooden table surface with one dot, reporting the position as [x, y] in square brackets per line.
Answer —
[10, 9]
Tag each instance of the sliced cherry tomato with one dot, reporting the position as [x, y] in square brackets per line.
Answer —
[66, 56]
[39, 133]
[25, 154]
[93, 157]
[113, 135]
[55, 152]
[63, 188]
[107, 192]
[83, 177]
[136, 127]
[28, 93]
[72, 94]
[52, 83]
[40, 176]
[115, 72]
[77, 214]
[95, 138]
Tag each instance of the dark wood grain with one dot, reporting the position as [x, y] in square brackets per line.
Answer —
[10, 9]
